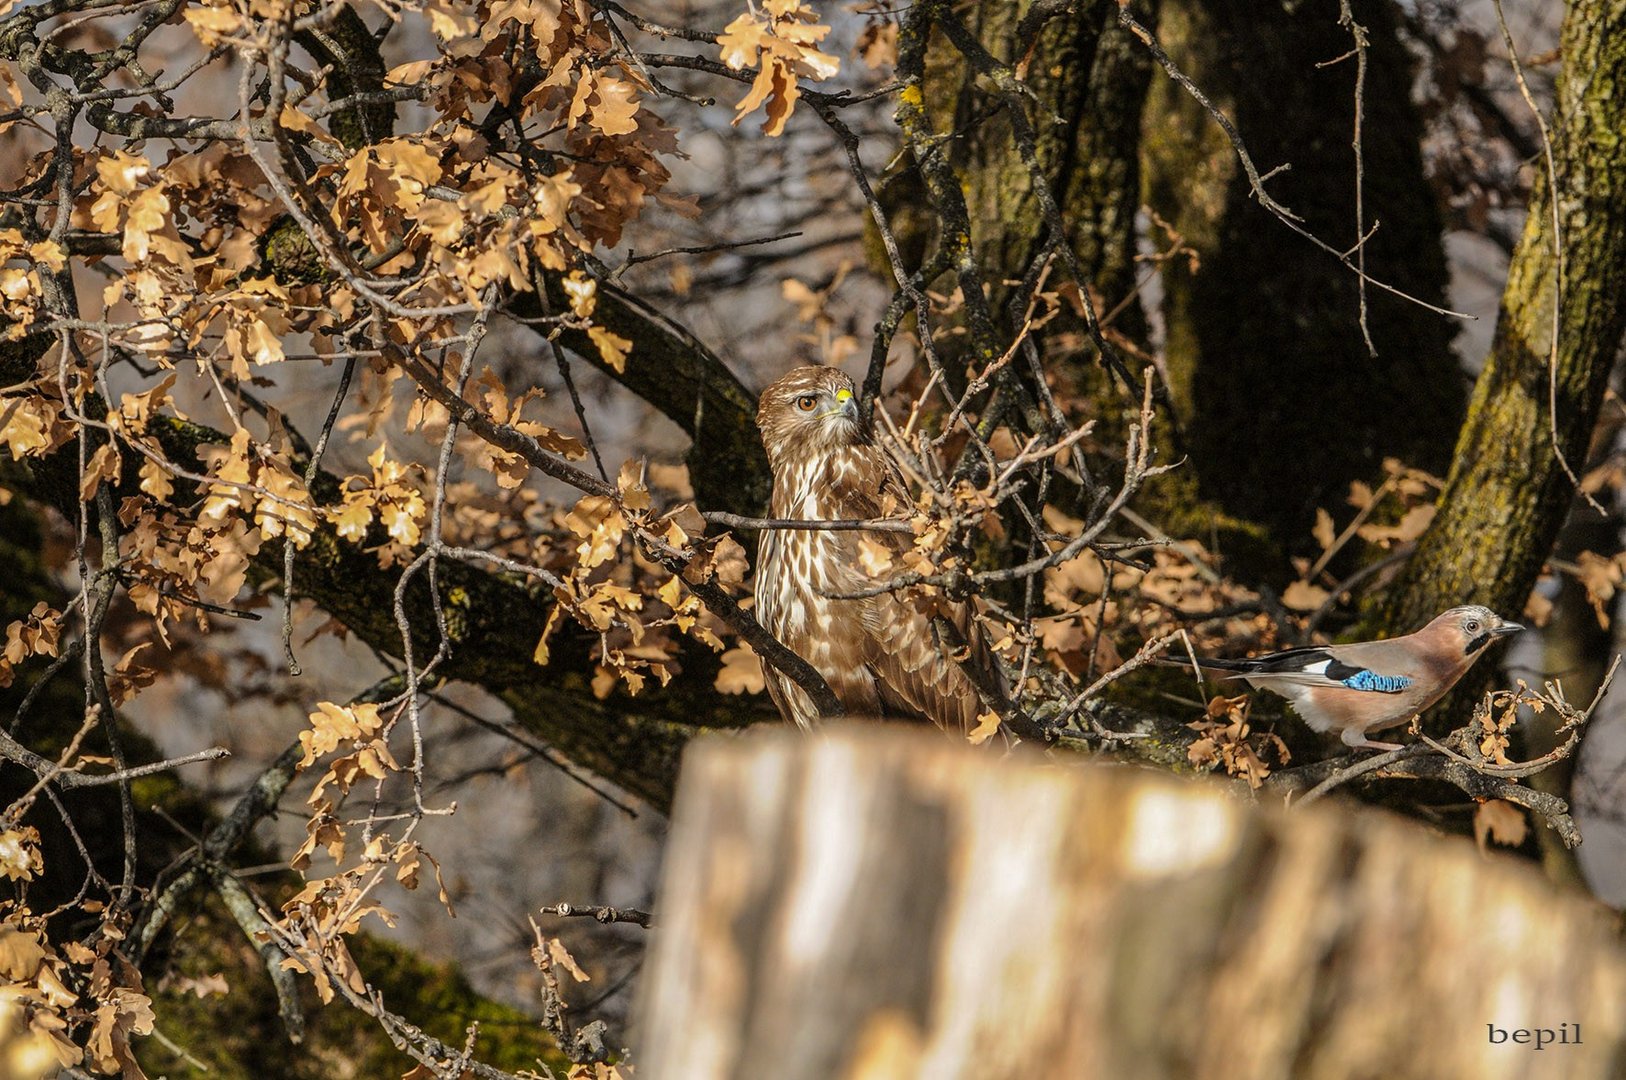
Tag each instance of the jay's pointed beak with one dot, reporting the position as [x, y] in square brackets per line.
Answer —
[1507, 628]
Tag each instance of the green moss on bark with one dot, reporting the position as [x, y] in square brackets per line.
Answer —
[239, 1036]
[1507, 494]
[1087, 81]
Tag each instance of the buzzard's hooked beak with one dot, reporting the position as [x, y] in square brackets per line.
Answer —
[846, 405]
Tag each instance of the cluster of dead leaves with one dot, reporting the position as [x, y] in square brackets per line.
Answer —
[316, 922]
[552, 960]
[1396, 513]
[780, 40]
[1226, 738]
[877, 43]
[360, 732]
[175, 559]
[507, 468]
[20, 858]
[182, 286]
[926, 554]
[334, 906]
[67, 1007]
[62, 1003]
[32, 420]
[1599, 575]
[261, 483]
[630, 601]
[583, 293]
[1493, 724]
[392, 498]
[172, 562]
[20, 295]
[813, 307]
[444, 204]
[36, 634]
[1168, 589]
[440, 213]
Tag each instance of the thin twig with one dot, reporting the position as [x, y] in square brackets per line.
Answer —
[740, 521]
[67, 778]
[1357, 32]
[312, 467]
[604, 915]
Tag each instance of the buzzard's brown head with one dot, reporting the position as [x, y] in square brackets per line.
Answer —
[809, 412]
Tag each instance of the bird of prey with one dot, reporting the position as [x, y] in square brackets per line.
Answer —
[1368, 686]
[882, 655]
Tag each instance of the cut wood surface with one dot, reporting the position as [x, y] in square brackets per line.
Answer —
[872, 903]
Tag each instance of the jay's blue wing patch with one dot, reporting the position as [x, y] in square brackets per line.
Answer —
[1364, 679]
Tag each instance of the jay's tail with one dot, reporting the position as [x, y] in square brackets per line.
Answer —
[1311, 660]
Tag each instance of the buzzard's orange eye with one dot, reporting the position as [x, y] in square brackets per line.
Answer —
[806, 402]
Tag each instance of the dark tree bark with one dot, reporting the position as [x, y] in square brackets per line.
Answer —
[1082, 86]
[1507, 493]
[1281, 403]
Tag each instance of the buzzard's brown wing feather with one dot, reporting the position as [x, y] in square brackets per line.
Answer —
[916, 670]
[916, 673]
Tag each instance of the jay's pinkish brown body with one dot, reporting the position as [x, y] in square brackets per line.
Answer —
[1368, 686]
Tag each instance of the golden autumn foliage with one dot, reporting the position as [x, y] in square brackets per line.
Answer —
[328, 318]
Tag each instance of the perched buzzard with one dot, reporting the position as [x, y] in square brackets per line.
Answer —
[881, 654]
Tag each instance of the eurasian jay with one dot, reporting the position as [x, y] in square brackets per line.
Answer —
[1371, 685]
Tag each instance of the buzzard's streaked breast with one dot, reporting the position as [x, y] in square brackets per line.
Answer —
[881, 655]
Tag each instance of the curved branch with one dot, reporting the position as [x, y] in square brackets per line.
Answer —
[675, 372]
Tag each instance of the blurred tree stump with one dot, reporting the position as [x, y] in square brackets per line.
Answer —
[880, 903]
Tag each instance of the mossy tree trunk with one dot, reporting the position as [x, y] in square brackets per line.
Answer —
[1087, 79]
[1282, 404]
[1507, 493]
[1085, 82]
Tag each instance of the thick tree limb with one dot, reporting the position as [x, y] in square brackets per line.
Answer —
[1557, 336]
[673, 370]
[494, 622]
